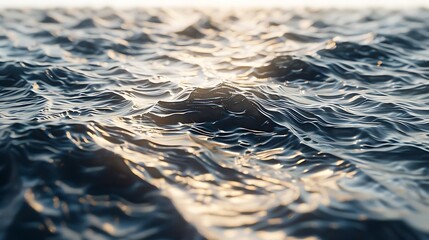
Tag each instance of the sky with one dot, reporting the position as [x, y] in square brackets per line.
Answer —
[399, 4]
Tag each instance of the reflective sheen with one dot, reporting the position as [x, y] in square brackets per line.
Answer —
[203, 124]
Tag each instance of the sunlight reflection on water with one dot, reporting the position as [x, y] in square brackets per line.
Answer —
[255, 124]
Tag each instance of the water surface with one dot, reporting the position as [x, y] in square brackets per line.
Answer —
[214, 124]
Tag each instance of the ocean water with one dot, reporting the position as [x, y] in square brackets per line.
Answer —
[214, 124]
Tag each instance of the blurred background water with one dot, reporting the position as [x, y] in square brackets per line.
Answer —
[214, 124]
[362, 4]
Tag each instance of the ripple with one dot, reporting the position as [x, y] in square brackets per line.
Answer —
[235, 124]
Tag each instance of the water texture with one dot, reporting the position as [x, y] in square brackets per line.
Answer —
[214, 124]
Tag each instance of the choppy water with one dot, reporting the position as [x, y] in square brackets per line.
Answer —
[192, 124]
